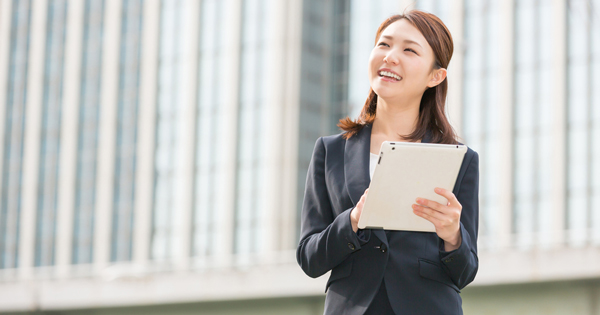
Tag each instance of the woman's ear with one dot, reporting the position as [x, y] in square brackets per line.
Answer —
[438, 76]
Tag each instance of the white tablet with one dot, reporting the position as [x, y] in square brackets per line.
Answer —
[404, 172]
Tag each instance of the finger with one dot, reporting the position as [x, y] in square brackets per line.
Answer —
[364, 195]
[432, 204]
[427, 215]
[448, 195]
[363, 198]
[429, 212]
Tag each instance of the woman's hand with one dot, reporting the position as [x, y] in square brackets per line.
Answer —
[445, 218]
[357, 211]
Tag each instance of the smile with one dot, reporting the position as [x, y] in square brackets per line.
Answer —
[388, 74]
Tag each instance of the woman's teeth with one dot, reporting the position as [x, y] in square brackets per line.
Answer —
[389, 74]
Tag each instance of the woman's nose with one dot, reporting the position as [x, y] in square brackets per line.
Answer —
[390, 59]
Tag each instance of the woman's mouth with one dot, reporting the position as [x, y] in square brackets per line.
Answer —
[389, 76]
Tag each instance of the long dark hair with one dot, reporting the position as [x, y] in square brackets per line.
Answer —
[431, 111]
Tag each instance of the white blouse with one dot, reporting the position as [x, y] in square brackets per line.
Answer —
[373, 162]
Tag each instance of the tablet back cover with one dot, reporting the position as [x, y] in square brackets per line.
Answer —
[406, 171]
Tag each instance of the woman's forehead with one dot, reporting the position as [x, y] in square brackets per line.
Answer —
[403, 30]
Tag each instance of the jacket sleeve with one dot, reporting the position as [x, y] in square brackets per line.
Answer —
[462, 263]
[325, 240]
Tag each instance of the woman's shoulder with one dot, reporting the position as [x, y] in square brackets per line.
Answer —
[345, 135]
[333, 140]
[470, 151]
[328, 144]
[471, 156]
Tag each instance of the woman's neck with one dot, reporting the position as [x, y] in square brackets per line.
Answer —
[395, 119]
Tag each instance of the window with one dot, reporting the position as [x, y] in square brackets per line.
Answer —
[208, 166]
[481, 105]
[167, 206]
[87, 142]
[583, 122]
[10, 199]
[126, 144]
[45, 236]
[251, 159]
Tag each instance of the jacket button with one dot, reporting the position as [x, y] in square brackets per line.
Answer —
[382, 248]
[351, 246]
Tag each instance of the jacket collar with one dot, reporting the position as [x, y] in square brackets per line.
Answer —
[356, 164]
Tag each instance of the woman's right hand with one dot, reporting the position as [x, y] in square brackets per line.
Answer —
[357, 211]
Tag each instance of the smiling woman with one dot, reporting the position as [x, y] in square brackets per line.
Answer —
[419, 46]
[374, 271]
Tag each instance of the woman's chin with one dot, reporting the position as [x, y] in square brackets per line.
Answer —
[387, 94]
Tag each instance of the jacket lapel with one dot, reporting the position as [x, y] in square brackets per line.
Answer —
[356, 163]
[356, 167]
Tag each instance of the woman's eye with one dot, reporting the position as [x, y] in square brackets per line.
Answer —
[412, 51]
[382, 43]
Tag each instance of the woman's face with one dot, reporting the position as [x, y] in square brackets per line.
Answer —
[401, 63]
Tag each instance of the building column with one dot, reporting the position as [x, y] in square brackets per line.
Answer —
[507, 39]
[144, 173]
[228, 133]
[559, 108]
[454, 100]
[275, 54]
[69, 132]
[107, 133]
[32, 137]
[290, 125]
[189, 79]
[5, 24]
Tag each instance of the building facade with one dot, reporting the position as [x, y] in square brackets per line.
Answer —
[153, 153]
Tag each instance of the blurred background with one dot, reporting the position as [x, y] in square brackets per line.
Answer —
[154, 153]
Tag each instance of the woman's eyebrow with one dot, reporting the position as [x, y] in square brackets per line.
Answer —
[406, 40]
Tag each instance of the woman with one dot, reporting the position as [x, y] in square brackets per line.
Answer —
[392, 272]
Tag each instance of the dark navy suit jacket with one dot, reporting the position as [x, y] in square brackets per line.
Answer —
[420, 277]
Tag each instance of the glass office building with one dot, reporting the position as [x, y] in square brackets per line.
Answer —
[153, 154]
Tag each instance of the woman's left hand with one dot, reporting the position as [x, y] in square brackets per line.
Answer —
[445, 218]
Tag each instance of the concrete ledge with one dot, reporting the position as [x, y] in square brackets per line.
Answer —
[283, 279]
[179, 287]
[513, 266]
